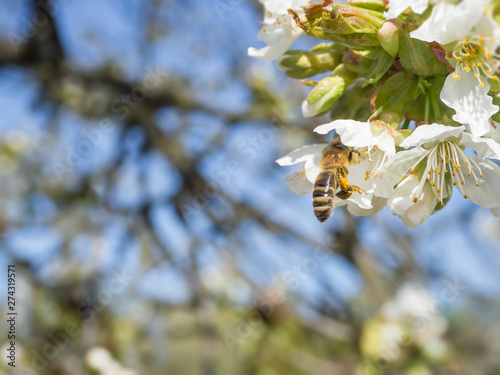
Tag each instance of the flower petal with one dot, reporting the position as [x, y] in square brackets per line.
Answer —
[472, 103]
[279, 29]
[302, 154]
[385, 142]
[484, 147]
[430, 134]
[309, 110]
[352, 133]
[377, 204]
[486, 194]
[402, 201]
[449, 23]
[396, 168]
[396, 7]
[496, 211]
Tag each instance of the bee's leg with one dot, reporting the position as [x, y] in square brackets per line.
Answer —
[342, 194]
[347, 189]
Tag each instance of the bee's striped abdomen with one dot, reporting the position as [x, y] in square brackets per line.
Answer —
[323, 193]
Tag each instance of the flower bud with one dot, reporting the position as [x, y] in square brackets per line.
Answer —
[327, 92]
[388, 35]
[358, 61]
[391, 118]
[348, 25]
[304, 64]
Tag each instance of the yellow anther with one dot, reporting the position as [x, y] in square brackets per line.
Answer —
[454, 183]
[480, 64]
[463, 182]
[477, 184]
[465, 196]
[442, 204]
[476, 76]
[415, 200]
[438, 191]
[481, 175]
[481, 84]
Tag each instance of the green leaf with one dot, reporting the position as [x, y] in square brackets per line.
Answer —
[418, 58]
[396, 91]
[380, 66]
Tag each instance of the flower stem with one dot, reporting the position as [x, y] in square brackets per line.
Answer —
[435, 104]
[406, 124]
[427, 107]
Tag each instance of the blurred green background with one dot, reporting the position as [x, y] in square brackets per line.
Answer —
[153, 233]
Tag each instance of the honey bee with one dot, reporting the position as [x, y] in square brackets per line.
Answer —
[336, 158]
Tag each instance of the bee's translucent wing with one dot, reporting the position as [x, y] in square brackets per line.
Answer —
[301, 182]
[310, 156]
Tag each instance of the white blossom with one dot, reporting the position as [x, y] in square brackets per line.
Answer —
[279, 29]
[436, 159]
[472, 40]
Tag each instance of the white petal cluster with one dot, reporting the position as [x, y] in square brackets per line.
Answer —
[412, 167]
[472, 39]
[279, 29]
[413, 182]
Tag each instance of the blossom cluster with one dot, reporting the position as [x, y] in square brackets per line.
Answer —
[411, 86]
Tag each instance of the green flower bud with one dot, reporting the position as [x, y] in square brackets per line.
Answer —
[358, 61]
[376, 5]
[391, 118]
[305, 64]
[348, 25]
[327, 92]
[388, 35]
